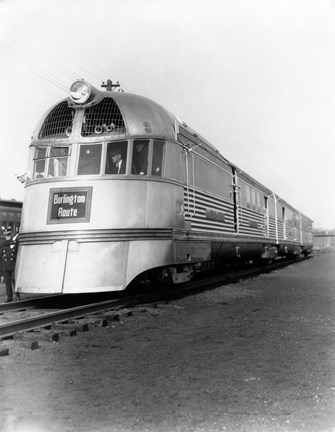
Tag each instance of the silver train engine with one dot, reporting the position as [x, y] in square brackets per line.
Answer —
[122, 189]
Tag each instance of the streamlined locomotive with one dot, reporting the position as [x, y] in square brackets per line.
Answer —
[119, 188]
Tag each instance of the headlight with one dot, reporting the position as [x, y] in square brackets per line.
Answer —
[80, 91]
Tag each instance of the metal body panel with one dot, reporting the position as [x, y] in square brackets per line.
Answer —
[115, 204]
[95, 266]
[70, 266]
[192, 251]
[40, 267]
[238, 246]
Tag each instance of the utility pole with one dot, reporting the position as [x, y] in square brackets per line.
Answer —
[109, 86]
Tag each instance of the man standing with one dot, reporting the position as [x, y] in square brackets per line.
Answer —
[140, 157]
[118, 164]
[8, 252]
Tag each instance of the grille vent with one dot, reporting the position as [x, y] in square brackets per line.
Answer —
[105, 118]
[58, 123]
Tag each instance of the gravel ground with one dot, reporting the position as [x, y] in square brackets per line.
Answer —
[253, 356]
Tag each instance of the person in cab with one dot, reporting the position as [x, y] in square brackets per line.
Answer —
[118, 164]
[140, 157]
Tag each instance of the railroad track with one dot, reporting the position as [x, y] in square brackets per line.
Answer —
[36, 317]
[32, 314]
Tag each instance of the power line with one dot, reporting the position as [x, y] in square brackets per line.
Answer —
[46, 76]
[42, 54]
[60, 73]
[70, 72]
[103, 75]
[31, 79]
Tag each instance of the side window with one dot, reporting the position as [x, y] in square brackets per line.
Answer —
[58, 161]
[253, 198]
[40, 162]
[248, 195]
[140, 157]
[116, 159]
[258, 196]
[283, 213]
[89, 159]
[157, 158]
[265, 203]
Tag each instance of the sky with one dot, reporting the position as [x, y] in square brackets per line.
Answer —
[255, 78]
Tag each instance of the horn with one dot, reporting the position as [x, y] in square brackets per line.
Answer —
[109, 128]
[98, 130]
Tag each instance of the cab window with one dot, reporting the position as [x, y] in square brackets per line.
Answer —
[157, 158]
[40, 162]
[50, 162]
[140, 157]
[116, 157]
[58, 161]
[89, 159]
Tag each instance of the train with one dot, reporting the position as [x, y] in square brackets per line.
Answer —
[118, 189]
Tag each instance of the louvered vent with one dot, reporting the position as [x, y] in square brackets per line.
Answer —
[58, 123]
[104, 118]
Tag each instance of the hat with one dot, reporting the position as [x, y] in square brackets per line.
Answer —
[115, 151]
[7, 230]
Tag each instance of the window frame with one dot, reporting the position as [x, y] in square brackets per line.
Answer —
[129, 156]
[105, 155]
[47, 157]
[151, 156]
[82, 146]
[148, 144]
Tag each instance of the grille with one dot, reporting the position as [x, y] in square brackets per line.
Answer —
[105, 118]
[198, 208]
[251, 222]
[58, 123]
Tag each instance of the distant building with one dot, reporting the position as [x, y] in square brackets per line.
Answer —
[10, 215]
[324, 239]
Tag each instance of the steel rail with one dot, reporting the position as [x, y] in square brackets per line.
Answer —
[26, 303]
[8, 330]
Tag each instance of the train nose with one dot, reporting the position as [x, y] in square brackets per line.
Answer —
[70, 266]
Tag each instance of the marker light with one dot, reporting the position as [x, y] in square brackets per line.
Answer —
[80, 91]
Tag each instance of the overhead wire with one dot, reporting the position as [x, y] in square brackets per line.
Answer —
[45, 76]
[60, 73]
[71, 73]
[30, 79]
[96, 74]
[34, 62]
[42, 54]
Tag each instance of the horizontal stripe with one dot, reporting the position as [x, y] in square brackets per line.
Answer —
[96, 235]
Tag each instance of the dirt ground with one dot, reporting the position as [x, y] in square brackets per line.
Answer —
[253, 356]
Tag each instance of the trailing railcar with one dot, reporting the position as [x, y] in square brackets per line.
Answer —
[120, 188]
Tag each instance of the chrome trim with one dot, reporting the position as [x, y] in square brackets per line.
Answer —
[85, 236]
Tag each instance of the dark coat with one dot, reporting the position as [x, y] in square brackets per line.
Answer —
[8, 252]
[114, 168]
[140, 161]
